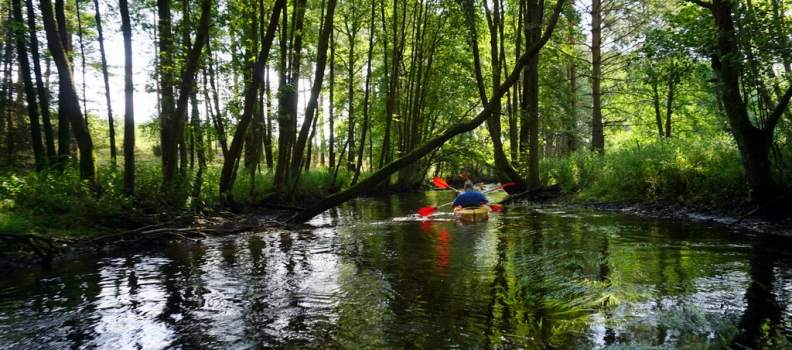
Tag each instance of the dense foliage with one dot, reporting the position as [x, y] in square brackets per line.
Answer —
[260, 100]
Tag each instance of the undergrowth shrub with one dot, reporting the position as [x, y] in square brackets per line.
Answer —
[689, 171]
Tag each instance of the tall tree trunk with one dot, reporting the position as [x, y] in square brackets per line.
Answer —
[669, 107]
[310, 147]
[168, 118]
[217, 119]
[312, 107]
[531, 95]
[265, 107]
[105, 75]
[199, 144]
[656, 105]
[64, 126]
[597, 132]
[253, 139]
[515, 113]
[351, 118]
[365, 126]
[43, 93]
[185, 115]
[129, 101]
[82, 57]
[392, 94]
[9, 91]
[331, 106]
[284, 119]
[70, 104]
[30, 91]
[268, 136]
[322, 139]
[230, 163]
[173, 117]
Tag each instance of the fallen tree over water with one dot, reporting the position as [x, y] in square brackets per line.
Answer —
[434, 143]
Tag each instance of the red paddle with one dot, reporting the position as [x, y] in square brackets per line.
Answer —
[442, 184]
[426, 211]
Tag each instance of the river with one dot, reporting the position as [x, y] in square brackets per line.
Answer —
[371, 274]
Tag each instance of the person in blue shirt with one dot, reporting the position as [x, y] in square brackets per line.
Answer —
[470, 197]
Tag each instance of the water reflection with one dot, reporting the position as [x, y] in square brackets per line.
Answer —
[372, 274]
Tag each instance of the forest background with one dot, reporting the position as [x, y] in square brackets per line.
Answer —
[313, 102]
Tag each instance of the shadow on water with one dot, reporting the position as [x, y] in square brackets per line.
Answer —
[373, 274]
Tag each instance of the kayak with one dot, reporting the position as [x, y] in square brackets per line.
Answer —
[472, 214]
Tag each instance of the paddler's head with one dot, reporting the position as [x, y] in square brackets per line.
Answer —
[468, 185]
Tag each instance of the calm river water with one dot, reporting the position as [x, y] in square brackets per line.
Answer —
[373, 275]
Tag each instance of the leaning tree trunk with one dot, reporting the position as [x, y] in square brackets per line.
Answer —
[69, 101]
[231, 162]
[105, 75]
[311, 108]
[431, 145]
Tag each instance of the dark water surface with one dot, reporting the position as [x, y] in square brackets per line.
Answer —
[373, 275]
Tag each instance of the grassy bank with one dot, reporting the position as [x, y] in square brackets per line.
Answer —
[691, 172]
[60, 205]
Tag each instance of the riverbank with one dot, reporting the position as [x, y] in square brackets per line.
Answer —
[261, 217]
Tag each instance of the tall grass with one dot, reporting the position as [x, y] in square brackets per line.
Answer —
[689, 171]
[60, 204]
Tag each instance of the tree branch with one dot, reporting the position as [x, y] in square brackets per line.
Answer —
[773, 119]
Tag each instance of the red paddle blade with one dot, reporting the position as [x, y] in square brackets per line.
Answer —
[505, 185]
[426, 211]
[464, 176]
[496, 207]
[440, 182]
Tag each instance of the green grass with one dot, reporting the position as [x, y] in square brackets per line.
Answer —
[672, 170]
[62, 205]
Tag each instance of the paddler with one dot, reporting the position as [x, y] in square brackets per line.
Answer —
[470, 197]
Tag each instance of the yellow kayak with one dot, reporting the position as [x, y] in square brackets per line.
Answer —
[472, 214]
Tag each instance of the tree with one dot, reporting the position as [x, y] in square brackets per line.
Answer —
[231, 162]
[43, 93]
[106, 77]
[754, 142]
[129, 105]
[30, 91]
[70, 104]
[64, 130]
[290, 70]
[172, 116]
[313, 99]
[432, 144]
